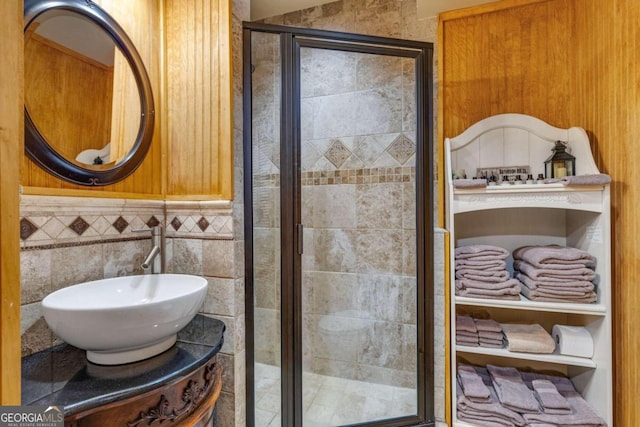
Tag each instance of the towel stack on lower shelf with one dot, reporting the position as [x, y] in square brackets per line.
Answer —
[555, 273]
[481, 272]
[501, 396]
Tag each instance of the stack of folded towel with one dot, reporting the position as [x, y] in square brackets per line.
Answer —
[555, 273]
[466, 331]
[481, 272]
[477, 401]
[500, 396]
[489, 333]
[478, 332]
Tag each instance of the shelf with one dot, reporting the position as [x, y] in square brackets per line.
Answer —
[527, 188]
[515, 215]
[549, 358]
[557, 196]
[525, 304]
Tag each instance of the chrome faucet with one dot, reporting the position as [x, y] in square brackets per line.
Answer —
[152, 263]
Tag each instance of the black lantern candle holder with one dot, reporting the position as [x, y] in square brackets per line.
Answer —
[561, 163]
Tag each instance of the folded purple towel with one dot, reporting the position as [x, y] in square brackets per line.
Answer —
[554, 256]
[536, 295]
[476, 284]
[469, 183]
[472, 385]
[474, 251]
[482, 265]
[590, 179]
[582, 414]
[466, 334]
[483, 275]
[487, 325]
[563, 384]
[534, 284]
[491, 343]
[512, 294]
[552, 292]
[467, 341]
[465, 323]
[491, 335]
[511, 390]
[487, 410]
[509, 290]
[551, 401]
[554, 275]
[482, 419]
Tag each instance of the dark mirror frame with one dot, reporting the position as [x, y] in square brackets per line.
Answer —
[36, 146]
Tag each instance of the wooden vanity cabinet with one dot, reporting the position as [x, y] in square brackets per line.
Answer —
[188, 401]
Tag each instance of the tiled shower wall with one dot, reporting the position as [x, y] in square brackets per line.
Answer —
[358, 186]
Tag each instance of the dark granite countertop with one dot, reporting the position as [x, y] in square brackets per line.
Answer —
[62, 376]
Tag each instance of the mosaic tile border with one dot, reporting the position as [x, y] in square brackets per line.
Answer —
[360, 176]
[83, 243]
[54, 222]
[346, 176]
[200, 220]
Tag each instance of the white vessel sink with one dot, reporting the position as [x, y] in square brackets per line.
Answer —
[124, 319]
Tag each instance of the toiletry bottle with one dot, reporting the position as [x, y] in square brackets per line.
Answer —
[529, 179]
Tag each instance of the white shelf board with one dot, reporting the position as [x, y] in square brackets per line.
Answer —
[549, 358]
[527, 188]
[458, 423]
[583, 198]
[525, 304]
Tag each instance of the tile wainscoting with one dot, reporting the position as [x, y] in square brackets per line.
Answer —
[68, 240]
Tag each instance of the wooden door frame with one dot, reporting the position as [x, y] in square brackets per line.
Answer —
[11, 148]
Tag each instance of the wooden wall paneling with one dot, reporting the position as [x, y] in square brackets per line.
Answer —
[575, 62]
[619, 93]
[11, 148]
[198, 67]
[225, 172]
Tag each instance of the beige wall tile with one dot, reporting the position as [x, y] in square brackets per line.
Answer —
[379, 205]
[76, 264]
[186, 257]
[35, 272]
[335, 250]
[379, 251]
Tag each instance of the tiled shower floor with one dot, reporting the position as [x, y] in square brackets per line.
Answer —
[331, 401]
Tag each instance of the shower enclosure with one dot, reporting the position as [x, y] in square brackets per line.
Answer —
[338, 193]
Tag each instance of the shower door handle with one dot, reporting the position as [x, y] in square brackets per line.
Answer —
[300, 231]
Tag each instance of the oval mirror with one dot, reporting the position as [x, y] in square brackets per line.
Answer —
[88, 102]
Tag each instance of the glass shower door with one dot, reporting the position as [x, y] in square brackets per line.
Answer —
[359, 300]
[338, 212]
[265, 165]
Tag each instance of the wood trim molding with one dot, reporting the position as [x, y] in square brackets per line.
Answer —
[11, 149]
[46, 191]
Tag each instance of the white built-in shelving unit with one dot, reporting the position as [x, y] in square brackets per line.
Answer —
[533, 214]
